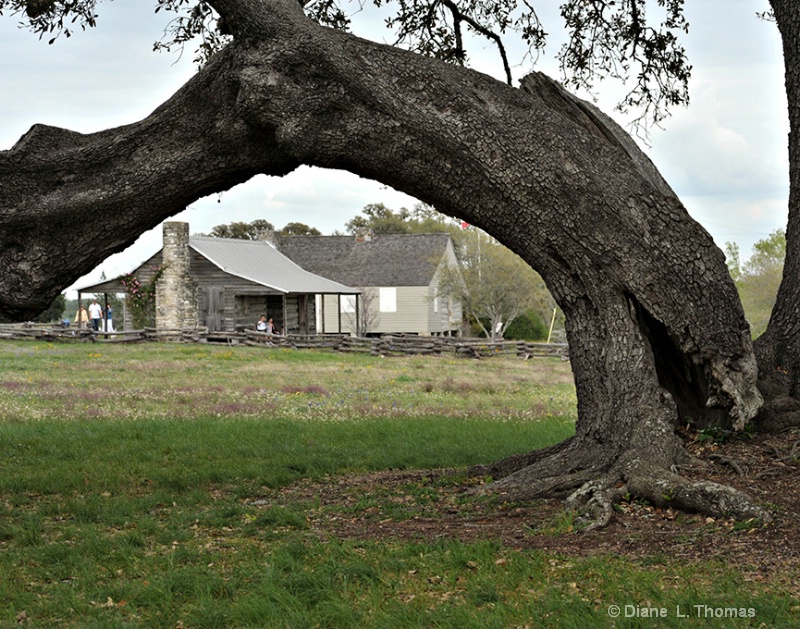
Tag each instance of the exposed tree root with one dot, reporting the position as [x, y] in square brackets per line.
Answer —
[734, 465]
[794, 453]
[550, 471]
[509, 465]
[598, 482]
[664, 488]
[594, 501]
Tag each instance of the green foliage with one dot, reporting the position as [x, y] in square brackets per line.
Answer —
[619, 41]
[529, 326]
[758, 278]
[141, 298]
[70, 308]
[195, 22]
[768, 254]
[54, 17]
[243, 231]
[299, 229]
[715, 434]
[379, 219]
[255, 230]
[52, 315]
[733, 259]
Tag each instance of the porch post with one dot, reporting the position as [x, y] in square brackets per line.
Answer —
[358, 315]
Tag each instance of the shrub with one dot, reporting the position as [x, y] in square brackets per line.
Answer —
[527, 327]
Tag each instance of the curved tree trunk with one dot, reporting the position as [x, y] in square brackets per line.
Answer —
[778, 349]
[656, 331]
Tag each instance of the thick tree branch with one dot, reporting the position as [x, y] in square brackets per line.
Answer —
[69, 200]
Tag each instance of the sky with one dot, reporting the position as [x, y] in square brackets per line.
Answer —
[725, 155]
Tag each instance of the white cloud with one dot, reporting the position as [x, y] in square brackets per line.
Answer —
[730, 143]
[734, 220]
[325, 199]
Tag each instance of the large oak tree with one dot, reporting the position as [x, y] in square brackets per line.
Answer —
[657, 334]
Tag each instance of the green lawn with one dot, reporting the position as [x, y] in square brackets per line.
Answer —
[128, 476]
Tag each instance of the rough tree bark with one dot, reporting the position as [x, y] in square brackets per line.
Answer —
[657, 334]
[778, 349]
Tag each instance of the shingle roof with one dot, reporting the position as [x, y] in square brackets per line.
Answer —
[385, 260]
[260, 262]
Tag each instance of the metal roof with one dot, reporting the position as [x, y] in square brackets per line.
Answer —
[259, 261]
[254, 260]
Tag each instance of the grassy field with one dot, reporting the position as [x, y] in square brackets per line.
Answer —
[138, 489]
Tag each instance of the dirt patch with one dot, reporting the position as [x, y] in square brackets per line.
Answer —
[434, 505]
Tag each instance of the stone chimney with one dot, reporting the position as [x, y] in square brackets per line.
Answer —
[176, 302]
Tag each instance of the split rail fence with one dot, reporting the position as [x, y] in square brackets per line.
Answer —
[390, 345]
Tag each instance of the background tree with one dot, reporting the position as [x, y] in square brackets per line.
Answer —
[299, 229]
[55, 312]
[52, 314]
[255, 230]
[369, 316]
[494, 285]
[529, 326]
[241, 230]
[656, 329]
[379, 219]
[758, 278]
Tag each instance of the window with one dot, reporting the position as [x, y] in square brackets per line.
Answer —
[388, 299]
[348, 303]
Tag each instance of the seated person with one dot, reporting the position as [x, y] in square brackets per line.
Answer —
[267, 325]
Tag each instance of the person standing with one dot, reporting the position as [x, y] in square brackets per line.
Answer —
[109, 319]
[81, 318]
[95, 314]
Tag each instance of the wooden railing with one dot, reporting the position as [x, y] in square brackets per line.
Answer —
[390, 345]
